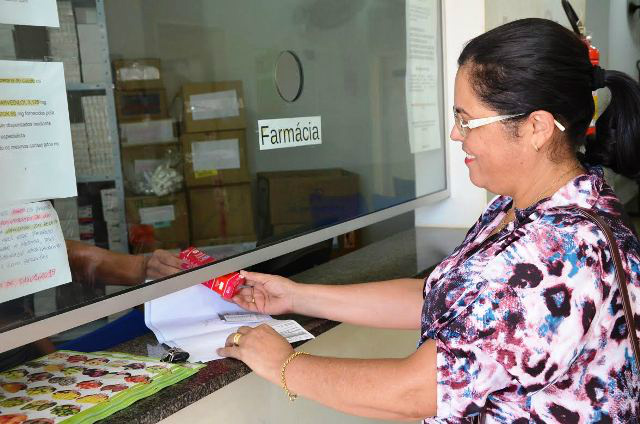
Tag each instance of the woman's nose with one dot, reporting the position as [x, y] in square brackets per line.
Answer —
[455, 134]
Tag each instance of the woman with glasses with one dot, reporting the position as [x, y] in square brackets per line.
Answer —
[524, 321]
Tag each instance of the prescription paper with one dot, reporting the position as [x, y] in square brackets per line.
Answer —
[193, 320]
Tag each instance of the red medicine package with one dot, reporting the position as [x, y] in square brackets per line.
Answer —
[226, 286]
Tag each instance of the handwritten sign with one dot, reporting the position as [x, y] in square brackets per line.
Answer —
[33, 255]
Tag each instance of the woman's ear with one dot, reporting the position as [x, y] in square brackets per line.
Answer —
[543, 126]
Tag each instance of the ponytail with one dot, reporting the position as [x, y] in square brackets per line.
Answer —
[617, 141]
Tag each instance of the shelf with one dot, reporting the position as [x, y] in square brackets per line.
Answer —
[94, 178]
[87, 86]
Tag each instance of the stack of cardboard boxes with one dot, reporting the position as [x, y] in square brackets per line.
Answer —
[294, 201]
[147, 138]
[213, 142]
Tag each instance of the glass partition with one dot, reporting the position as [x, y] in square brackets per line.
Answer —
[224, 125]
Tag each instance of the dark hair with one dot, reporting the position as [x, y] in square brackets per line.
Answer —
[537, 64]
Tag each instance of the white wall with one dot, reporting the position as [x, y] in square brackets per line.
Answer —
[462, 21]
[498, 12]
[623, 47]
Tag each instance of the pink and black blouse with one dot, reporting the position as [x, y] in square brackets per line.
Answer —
[528, 322]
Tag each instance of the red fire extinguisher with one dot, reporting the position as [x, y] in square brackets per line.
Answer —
[594, 55]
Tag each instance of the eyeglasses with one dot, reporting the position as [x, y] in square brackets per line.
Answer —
[464, 126]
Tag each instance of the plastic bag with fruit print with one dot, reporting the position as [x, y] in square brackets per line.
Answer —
[76, 387]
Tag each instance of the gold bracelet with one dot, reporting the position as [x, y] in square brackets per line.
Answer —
[292, 396]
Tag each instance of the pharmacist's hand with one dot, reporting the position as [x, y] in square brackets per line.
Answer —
[268, 294]
[261, 348]
[162, 264]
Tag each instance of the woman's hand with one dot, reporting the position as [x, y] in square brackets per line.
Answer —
[267, 294]
[162, 264]
[261, 348]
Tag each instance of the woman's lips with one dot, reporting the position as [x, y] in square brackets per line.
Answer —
[469, 158]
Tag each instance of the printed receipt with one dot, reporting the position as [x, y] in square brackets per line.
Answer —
[291, 330]
[36, 155]
[33, 255]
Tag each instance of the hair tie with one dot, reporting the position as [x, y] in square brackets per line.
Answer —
[597, 78]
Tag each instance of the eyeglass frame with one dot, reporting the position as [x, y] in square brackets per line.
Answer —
[480, 122]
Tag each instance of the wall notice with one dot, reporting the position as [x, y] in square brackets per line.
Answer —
[36, 156]
[33, 255]
[423, 106]
[29, 12]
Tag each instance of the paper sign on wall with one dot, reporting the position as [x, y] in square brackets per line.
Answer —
[36, 156]
[211, 156]
[423, 107]
[158, 216]
[216, 105]
[33, 255]
[29, 12]
[289, 132]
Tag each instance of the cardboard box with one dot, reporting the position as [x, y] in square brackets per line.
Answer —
[138, 160]
[310, 197]
[213, 106]
[221, 215]
[137, 74]
[141, 105]
[152, 131]
[215, 158]
[157, 222]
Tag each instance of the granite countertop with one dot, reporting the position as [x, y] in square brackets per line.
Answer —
[409, 253]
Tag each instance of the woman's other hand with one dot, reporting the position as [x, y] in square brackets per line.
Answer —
[267, 294]
[261, 348]
[162, 264]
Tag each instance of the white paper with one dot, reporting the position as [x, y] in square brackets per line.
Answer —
[215, 155]
[216, 105]
[191, 320]
[290, 330]
[156, 131]
[157, 214]
[143, 166]
[29, 12]
[36, 154]
[245, 317]
[191, 311]
[422, 74]
[138, 72]
[33, 255]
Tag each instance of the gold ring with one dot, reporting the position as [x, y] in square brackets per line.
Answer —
[236, 338]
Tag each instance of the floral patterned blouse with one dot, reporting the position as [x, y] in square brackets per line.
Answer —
[528, 322]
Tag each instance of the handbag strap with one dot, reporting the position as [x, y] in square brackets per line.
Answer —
[621, 279]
